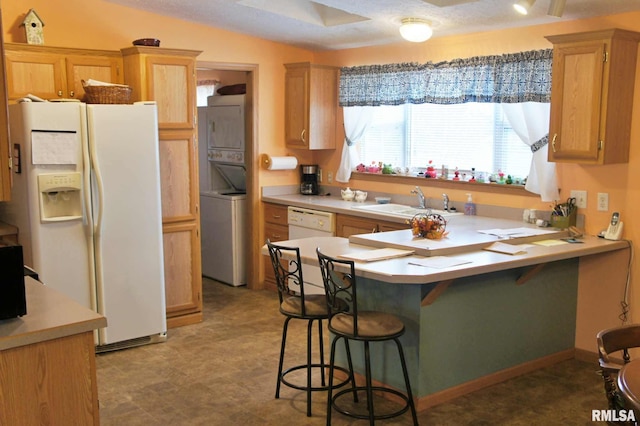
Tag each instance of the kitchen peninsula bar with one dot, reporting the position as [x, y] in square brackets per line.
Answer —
[47, 361]
[486, 318]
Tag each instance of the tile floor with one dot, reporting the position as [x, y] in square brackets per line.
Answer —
[222, 372]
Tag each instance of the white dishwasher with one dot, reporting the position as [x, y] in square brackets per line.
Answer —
[306, 223]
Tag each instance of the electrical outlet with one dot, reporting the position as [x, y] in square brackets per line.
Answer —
[319, 175]
[581, 198]
[603, 202]
[329, 177]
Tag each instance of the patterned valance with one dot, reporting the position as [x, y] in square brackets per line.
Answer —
[508, 78]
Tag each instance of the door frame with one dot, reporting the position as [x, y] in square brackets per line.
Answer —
[251, 160]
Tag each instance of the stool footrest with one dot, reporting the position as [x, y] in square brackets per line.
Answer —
[323, 387]
[363, 389]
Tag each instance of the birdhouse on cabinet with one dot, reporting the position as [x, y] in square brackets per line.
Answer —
[33, 28]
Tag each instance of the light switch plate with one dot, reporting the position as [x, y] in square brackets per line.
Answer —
[581, 198]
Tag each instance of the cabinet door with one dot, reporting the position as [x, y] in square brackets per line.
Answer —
[35, 73]
[274, 233]
[178, 176]
[5, 150]
[171, 83]
[296, 105]
[107, 69]
[276, 214]
[577, 87]
[392, 226]
[351, 225]
[183, 275]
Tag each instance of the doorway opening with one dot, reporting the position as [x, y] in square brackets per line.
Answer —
[217, 75]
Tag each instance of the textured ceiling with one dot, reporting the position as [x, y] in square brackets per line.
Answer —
[340, 24]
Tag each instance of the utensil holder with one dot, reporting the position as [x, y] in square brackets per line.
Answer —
[563, 222]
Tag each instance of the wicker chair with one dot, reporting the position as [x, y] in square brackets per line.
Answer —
[364, 326]
[612, 341]
[298, 306]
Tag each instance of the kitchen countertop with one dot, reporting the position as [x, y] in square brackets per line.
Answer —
[463, 242]
[50, 315]
[335, 204]
[400, 271]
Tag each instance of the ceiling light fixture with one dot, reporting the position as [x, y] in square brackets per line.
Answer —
[416, 30]
[556, 8]
[523, 6]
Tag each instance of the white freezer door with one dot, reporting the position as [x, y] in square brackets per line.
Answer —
[127, 212]
[59, 251]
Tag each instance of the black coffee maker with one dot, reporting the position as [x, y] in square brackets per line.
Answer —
[309, 179]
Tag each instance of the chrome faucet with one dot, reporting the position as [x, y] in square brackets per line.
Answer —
[445, 202]
[420, 194]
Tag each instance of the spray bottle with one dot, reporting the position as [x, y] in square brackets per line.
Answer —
[469, 206]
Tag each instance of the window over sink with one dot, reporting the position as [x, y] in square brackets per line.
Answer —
[466, 136]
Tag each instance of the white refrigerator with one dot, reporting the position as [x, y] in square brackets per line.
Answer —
[86, 200]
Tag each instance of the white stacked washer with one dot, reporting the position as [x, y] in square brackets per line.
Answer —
[221, 145]
[306, 223]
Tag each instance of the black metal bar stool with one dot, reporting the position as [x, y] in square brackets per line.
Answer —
[365, 326]
[287, 267]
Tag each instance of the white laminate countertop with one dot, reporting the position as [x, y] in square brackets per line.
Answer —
[335, 204]
[401, 271]
[50, 315]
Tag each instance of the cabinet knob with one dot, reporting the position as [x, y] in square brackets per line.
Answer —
[60, 93]
[302, 136]
[553, 142]
[72, 94]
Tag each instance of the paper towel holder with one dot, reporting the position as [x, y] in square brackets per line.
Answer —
[267, 162]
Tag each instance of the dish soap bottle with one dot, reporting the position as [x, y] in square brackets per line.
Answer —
[469, 206]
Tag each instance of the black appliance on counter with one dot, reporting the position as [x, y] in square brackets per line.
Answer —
[309, 179]
[13, 301]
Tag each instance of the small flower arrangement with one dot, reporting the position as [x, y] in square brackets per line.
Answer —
[431, 226]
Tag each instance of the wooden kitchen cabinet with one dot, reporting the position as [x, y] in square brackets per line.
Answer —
[347, 225]
[56, 72]
[276, 228]
[311, 103]
[592, 96]
[167, 76]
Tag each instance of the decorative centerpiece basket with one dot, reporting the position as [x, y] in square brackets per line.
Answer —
[431, 226]
[116, 94]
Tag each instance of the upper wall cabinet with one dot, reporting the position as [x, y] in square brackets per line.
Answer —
[311, 103]
[593, 75]
[56, 72]
[166, 76]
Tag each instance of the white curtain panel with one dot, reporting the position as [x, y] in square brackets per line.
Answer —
[356, 121]
[530, 121]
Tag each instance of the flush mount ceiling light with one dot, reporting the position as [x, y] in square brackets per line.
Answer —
[523, 6]
[416, 29]
[556, 8]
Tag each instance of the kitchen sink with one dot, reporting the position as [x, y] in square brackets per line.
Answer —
[400, 210]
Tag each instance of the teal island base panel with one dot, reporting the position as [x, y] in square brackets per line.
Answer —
[478, 326]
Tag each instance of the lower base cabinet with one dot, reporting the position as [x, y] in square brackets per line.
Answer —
[276, 229]
[347, 225]
[183, 276]
[51, 382]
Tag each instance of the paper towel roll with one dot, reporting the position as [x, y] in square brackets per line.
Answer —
[280, 163]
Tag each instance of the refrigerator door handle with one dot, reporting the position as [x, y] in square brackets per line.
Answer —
[99, 188]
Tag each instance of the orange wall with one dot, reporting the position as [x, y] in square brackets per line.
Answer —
[617, 180]
[103, 25]
[97, 24]
[599, 296]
